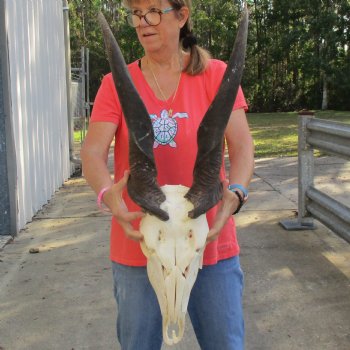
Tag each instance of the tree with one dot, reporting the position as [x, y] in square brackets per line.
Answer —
[297, 55]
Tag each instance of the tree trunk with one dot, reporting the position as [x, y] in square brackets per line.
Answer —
[325, 93]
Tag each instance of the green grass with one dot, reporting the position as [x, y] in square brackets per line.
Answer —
[78, 136]
[276, 134]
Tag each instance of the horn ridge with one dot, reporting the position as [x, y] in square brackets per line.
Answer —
[140, 126]
[142, 185]
[205, 191]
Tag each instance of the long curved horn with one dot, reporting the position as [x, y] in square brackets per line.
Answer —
[206, 189]
[142, 185]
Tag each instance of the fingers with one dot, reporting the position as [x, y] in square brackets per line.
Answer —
[212, 236]
[125, 177]
[124, 217]
[120, 185]
[130, 232]
[219, 223]
[131, 216]
[214, 232]
[227, 206]
[114, 200]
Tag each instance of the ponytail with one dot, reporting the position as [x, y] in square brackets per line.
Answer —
[198, 56]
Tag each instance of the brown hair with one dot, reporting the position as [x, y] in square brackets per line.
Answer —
[198, 56]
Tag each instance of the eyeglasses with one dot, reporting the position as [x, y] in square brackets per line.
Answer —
[152, 17]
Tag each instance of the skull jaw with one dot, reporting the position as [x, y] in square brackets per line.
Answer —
[174, 251]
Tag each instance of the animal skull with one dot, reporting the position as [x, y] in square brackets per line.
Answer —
[174, 251]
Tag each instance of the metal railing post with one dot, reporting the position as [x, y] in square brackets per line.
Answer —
[305, 168]
[305, 176]
[332, 138]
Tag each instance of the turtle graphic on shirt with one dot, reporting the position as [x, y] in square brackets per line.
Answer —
[165, 128]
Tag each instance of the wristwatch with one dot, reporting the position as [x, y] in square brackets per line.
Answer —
[242, 199]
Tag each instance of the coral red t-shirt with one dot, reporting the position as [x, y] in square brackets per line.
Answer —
[174, 152]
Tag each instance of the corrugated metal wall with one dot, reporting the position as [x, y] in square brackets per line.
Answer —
[5, 227]
[38, 99]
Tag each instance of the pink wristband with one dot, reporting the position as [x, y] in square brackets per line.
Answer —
[100, 197]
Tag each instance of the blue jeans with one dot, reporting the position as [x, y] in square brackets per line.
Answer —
[215, 307]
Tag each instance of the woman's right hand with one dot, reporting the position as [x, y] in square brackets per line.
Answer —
[114, 200]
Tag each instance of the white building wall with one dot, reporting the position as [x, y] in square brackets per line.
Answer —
[38, 101]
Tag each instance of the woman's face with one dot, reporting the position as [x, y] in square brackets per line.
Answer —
[165, 35]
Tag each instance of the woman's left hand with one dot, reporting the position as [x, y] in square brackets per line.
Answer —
[229, 204]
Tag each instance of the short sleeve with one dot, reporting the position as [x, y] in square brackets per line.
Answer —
[214, 74]
[106, 105]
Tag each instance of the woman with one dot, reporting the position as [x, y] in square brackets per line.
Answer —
[175, 79]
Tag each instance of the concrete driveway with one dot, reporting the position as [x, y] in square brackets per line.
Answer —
[56, 286]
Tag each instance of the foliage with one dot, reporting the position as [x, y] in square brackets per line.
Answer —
[85, 31]
[276, 134]
[298, 51]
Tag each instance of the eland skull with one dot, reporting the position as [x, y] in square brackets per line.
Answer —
[175, 226]
[174, 251]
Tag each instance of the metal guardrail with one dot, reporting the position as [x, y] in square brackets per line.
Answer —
[333, 138]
